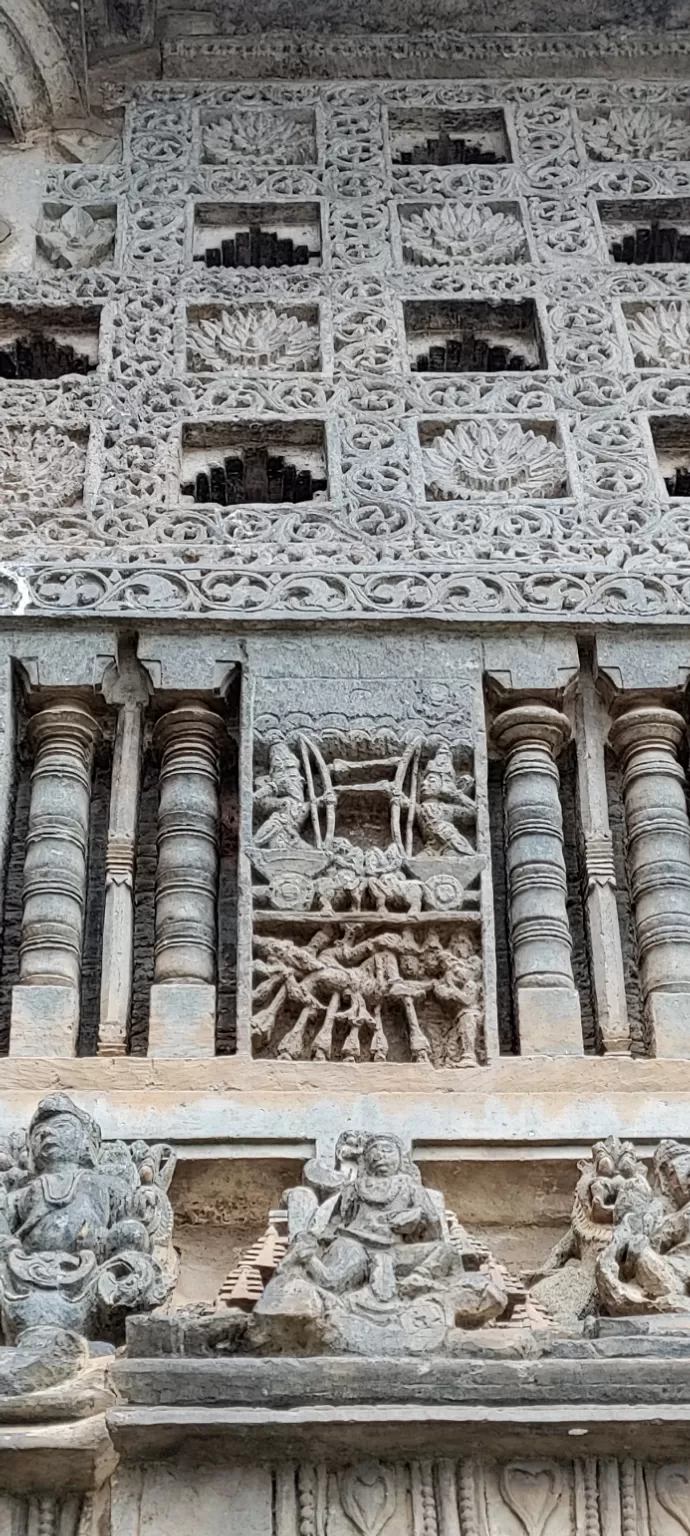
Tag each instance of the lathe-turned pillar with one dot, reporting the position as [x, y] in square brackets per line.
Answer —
[183, 997]
[45, 1004]
[531, 736]
[647, 739]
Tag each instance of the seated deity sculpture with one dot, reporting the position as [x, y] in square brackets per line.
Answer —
[85, 1239]
[370, 1263]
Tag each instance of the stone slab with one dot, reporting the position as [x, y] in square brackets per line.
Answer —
[549, 1021]
[44, 1021]
[670, 1020]
[182, 1020]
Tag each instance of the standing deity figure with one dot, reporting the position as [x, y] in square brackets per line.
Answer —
[279, 795]
[85, 1239]
[372, 1265]
[443, 801]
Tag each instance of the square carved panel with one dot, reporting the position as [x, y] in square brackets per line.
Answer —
[244, 235]
[473, 336]
[238, 463]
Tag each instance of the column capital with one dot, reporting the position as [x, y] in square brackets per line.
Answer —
[644, 726]
[67, 719]
[185, 721]
[531, 725]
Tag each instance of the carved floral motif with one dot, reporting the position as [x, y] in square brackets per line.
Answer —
[637, 133]
[258, 336]
[488, 458]
[276, 137]
[449, 232]
[660, 335]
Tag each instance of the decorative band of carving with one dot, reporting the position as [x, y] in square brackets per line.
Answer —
[537, 876]
[533, 930]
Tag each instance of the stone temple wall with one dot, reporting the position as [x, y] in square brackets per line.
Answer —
[344, 665]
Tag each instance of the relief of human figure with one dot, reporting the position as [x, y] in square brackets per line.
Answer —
[646, 1266]
[280, 796]
[85, 1238]
[444, 803]
[385, 1244]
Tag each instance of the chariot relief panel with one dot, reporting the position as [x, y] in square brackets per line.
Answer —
[367, 851]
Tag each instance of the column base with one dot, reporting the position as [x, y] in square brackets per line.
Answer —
[182, 1019]
[669, 1017]
[549, 1021]
[44, 1021]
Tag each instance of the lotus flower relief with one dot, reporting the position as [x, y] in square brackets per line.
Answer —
[448, 232]
[660, 336]
[637, 133]
[267, 136]
[256, 337]
[490, 458]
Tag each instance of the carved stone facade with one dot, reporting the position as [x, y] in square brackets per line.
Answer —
[344, 831]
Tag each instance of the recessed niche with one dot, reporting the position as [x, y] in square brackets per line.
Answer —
[647, 232]
[274, 337]
[271, 135]
[421, 136]
[671, 435]
[234, 465]
[240, 235]
[492, 456]
[47, 344]
[453, 336]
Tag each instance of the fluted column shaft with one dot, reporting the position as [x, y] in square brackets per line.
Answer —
[647, 740]
[45, 1005]
[187, 883]
[531, 735]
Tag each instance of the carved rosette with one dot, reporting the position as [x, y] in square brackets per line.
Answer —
[188, 815]
[64, 736]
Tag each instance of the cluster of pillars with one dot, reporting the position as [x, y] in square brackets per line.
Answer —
[45, 1003]
[647, 740]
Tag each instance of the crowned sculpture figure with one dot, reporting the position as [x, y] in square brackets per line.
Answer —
[85, 1239]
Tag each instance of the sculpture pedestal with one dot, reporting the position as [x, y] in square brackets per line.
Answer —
[44, 1021]
[182, 1019]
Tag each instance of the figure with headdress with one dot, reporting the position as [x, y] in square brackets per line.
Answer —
[370, 1259]
[85, 1238]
